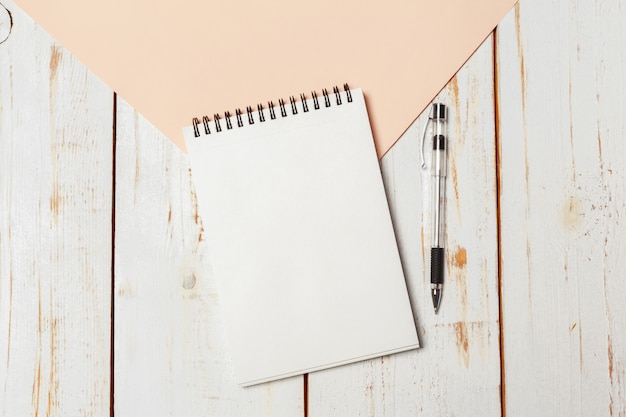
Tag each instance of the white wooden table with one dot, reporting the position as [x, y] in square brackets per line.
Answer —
[107, 299]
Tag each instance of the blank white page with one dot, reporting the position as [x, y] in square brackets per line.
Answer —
[301, 241]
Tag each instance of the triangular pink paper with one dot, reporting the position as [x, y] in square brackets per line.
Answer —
[174, 60]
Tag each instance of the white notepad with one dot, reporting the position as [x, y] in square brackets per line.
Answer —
[300, 237]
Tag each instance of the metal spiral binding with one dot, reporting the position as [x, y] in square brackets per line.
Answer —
[293, 103]
[216, 117]
[281, 103]
[239, 121]
[326, 98]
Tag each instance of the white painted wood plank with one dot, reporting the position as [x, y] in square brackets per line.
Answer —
[55, 229]
[171, 356]
[562, 96]
[457, 372]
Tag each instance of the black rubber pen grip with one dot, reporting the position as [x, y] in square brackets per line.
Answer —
[436, 265]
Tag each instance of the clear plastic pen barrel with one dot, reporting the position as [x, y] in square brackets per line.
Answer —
[438, 172]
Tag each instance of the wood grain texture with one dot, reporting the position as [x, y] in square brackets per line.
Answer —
[55, 229]
[457, 371]
[561, 104]
[171, 356]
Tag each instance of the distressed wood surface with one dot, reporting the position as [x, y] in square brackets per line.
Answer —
[171, 357]
[55, 229]
[561, 67]
[457, 371]
[560, 94]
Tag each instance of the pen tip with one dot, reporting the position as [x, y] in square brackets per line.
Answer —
[436, 295]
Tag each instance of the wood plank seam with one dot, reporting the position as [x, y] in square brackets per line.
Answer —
[305, 399]
[113, 186]
[496, 116]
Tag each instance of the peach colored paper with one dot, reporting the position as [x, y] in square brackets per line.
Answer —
[176, 59]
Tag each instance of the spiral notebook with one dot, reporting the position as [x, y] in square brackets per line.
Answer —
[300, 236]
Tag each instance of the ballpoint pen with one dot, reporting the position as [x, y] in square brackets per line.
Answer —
[438, 173]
